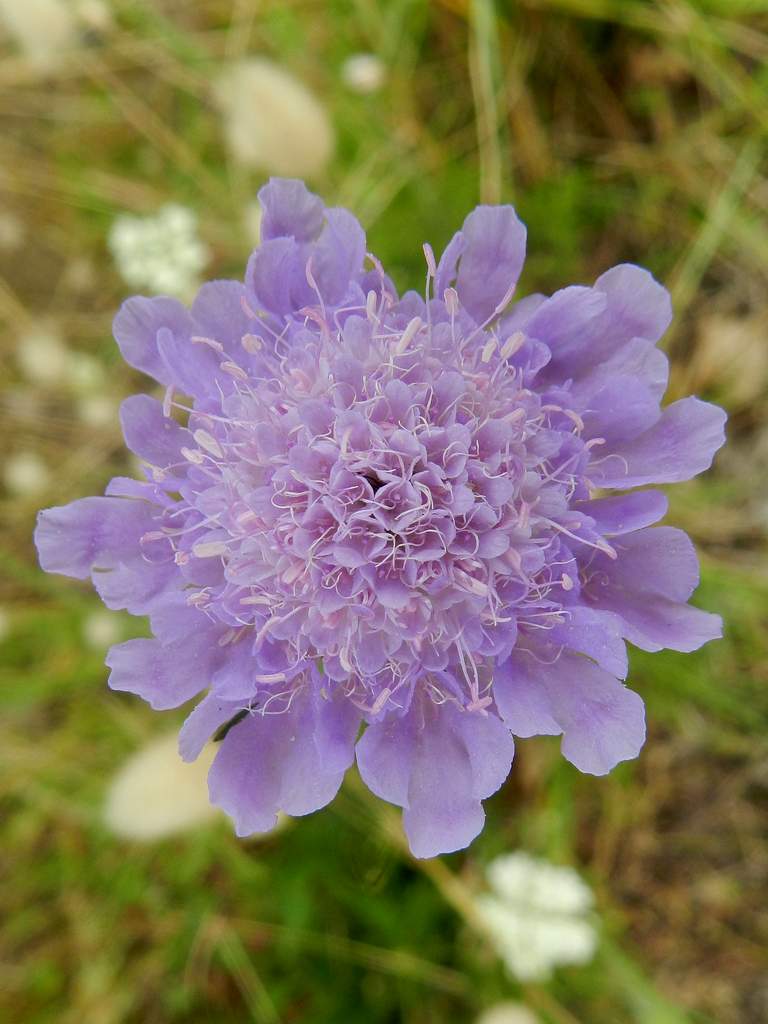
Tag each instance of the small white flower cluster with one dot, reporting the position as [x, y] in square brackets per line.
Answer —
[537, 915]
[162, 253]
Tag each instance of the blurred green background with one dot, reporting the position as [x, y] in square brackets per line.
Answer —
[622, 130]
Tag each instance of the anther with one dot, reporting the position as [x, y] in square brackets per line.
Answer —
[488, 350]
[429, 256]
[251, 343]
[512, 344]
[381, 700]
[209, 443]
[451, 299]
[193, 456]
[209, 549]
[234, 370]
[215, 345]
[408, 335]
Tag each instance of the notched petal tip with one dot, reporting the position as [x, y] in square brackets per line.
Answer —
[88, 533]
[438, 765]
[484, 259]
[267, 764]
[54, 552]
[601, 720]
[290, 210]
[639, 306]
[136, 326]
[679, 446]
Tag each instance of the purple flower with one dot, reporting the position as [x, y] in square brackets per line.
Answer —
[383, 510]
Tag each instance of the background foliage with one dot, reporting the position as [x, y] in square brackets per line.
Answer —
[623, 130]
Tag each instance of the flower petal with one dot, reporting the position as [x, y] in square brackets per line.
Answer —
[385, 757]
[337, 722]
[647, 585]
[638, 306]
[290, 209]
[135, 329]
[679, 446]
[89, 533]
[101, 538]
[442, 816]
[266, 765]
[597, 634]
[634, 306]
[624, 513]
[338, 255]
[438, 764]
[659, 561]
[602, 722]
[164, 676]
[274, 273]
[219, 314]
[209, 715]
[565, 318]
[489, 253]
[657, 624]
[135, 585]
[192, 367]
[636, 358]
[620, 411]
[150, 434]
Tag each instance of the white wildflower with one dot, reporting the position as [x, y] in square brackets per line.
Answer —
[47, 31]
[26, 474]
[537, 915]
[162, 253]
[543, 884]
[272, 121]
[44, 30]
[363, 72]
[156, 794]
[42, 355]
[94, 15]
[507, 1013]
[101, 629]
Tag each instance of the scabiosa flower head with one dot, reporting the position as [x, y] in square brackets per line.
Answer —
[381, 512]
